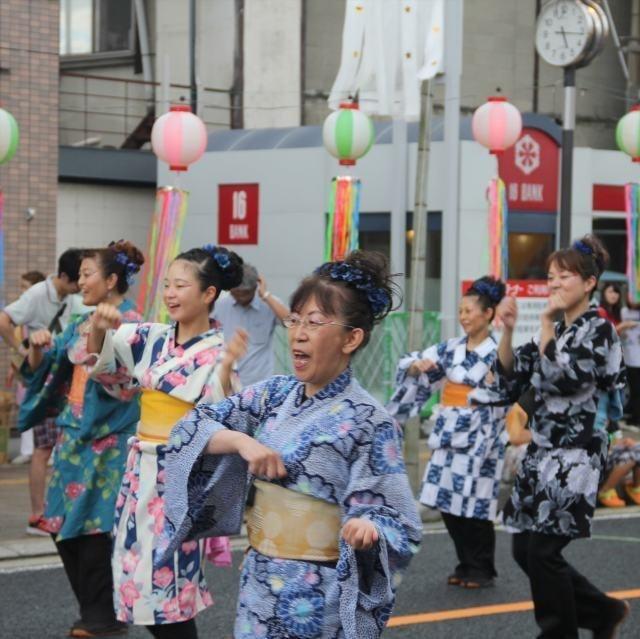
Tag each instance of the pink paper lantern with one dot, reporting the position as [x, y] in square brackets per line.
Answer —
[179, 137]
[497, 124]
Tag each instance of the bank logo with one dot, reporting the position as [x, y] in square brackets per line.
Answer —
[527, 152]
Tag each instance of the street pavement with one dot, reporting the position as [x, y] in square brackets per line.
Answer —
[37, 602]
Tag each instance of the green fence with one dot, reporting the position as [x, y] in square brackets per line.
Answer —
[375, 365]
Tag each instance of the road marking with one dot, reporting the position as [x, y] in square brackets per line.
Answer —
[13, 482]
[484, 611]
[635, 540]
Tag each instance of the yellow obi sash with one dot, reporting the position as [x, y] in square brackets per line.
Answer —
[455, 395]
[78, 384]
[289, 525]
[159, 413]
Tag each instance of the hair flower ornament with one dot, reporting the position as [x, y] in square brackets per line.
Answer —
[221, 258]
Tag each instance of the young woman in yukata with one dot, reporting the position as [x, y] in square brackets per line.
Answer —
[468, 440]
[92, 446]
[332, 521]
[572, 364]
[175, 366]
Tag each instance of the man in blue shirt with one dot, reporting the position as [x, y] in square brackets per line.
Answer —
[250, 306]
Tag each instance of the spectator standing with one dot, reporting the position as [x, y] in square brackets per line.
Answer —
[253, 308]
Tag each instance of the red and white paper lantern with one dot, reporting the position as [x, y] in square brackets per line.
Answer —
[179, 137]
[497, 124]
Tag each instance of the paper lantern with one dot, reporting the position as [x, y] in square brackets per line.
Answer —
[628, 133]
[9, 136]
[179, 137]
[348, 133]
[497, 124]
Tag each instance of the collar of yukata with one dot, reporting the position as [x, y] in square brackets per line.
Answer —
[333, 388]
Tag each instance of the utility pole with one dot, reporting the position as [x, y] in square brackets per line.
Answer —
[192, 57]
[418, 273]
[568, 128]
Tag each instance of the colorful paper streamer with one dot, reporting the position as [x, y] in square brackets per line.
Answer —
[498, 230]
[2, 282]
[162, 248]
[632, 206]
[344, 218]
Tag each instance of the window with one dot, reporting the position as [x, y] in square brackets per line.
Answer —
[528, 254]
[612, 232]
[96, 27]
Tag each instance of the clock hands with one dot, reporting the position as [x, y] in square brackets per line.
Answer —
[564, 35]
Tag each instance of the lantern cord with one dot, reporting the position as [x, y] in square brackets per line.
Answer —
[498, 229]
[632, 206]
[163, 246]
[343, 218]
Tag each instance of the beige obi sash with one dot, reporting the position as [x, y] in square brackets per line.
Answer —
[455, 395]
[159, 413]
[290, 525]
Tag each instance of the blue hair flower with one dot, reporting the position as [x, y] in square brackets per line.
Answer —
[377, 298]
[582, 247]
[221, 258]
[492, 291]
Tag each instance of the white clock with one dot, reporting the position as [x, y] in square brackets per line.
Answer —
[569, 32]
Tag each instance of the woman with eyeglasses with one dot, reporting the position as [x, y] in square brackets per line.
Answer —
[173, 366]
[468, 440]
[573, 366]
[331, 518]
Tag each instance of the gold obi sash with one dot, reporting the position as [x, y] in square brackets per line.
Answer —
[289, 525]
[78, 384]
[455, 395]
[159, 413]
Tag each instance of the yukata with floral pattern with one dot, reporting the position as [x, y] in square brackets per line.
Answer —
[468, 442]
[94, 429]
[339, 446]
[556, 487]
[146, 357]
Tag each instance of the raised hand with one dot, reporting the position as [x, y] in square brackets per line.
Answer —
[421, 366]
[237, 346]
[360, 533]
[507, 313]
[264, 462]
[41, 338]
[106, 316]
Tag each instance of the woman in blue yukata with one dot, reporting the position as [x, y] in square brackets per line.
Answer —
[468, 440]
[332, 521]
[92, 446]
[175, 366]
[572, 365]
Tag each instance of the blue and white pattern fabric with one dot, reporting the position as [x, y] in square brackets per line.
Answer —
[556, 487]
[340, 446]
[468, 443]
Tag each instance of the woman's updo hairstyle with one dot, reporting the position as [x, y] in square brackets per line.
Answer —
[489, 292]
[120, 258]
[358, 289]
[587, 257]
[215, 266]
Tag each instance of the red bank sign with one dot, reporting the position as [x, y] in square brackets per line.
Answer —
[530, 170]
[238, 213]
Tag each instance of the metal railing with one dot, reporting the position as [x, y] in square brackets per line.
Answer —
[97, 110]
[375, 365]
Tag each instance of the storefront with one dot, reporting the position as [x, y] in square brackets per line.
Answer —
[264, 193]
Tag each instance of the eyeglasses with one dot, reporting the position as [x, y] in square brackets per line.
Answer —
[294, 321]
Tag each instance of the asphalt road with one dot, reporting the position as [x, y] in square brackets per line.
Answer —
[38, 604]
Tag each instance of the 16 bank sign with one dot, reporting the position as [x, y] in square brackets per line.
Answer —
[238, 213]
[530, 171]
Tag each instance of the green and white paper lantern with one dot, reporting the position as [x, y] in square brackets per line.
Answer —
[628, 133]
[9, 136]
[348, 134]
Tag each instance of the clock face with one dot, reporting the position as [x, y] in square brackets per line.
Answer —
[564, 32]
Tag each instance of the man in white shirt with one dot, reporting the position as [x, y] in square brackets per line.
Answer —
[44, 305]
[250, 306]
